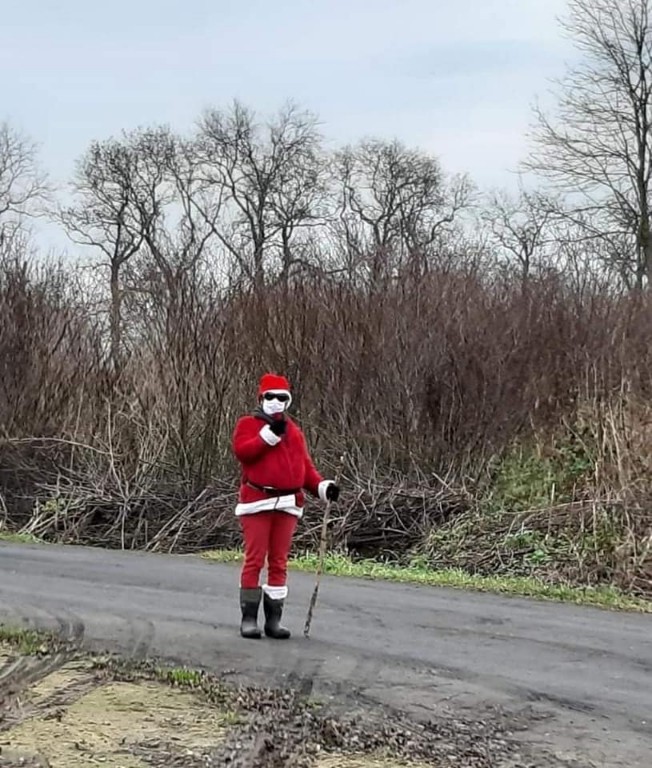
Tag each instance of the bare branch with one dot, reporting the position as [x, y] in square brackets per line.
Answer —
[599, 147]
[22, 184]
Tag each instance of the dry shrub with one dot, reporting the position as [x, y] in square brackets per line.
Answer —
[419, 382]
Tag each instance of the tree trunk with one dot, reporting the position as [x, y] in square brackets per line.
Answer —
[116, 317]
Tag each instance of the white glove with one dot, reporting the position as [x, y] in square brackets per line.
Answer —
[268, 436]
[322, 489]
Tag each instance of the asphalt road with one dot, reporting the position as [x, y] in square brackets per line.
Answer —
[579, 679]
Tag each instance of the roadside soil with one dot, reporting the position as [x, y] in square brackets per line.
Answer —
[73, 717]
[60, 708]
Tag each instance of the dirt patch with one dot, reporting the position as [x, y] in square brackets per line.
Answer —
[69, 709]
[73, 718]
[344, 761]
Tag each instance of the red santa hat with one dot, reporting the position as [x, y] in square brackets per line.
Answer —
[271, 382]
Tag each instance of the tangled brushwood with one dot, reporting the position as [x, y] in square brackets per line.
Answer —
[489, 388]
[483, 359]
[482, 427]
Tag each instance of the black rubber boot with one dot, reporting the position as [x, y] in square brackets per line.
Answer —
[249, 604]
[273, 613]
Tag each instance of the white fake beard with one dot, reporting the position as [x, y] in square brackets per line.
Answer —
[272, 407]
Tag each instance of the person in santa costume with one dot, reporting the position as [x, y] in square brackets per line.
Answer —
[276, 473]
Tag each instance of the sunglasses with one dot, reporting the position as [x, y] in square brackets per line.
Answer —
[275, 396]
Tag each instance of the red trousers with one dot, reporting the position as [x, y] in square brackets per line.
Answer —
[267, 535]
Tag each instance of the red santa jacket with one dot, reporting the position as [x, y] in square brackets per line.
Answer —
[285, 469]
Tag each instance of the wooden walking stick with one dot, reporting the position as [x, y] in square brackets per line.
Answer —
[322, 555]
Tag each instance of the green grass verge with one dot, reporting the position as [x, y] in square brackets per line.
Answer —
[456, 578]
[524, 586]
[27, 642]
[19, 538]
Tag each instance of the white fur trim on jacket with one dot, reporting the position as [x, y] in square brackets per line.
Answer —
[268, 436]
[276, 593]
[281, 503]
[321, 489]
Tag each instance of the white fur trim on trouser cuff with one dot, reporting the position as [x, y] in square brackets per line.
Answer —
[268, 436]
[276, 593]
[321, 489]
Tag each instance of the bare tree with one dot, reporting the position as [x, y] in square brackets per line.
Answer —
[104, 216]
[162, 188]
[269, 180]
[22, 184]
[591, 263]
[134, 198]
[520, 227]
[393, 201]
[600, 146]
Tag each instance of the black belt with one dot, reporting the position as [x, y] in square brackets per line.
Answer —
[269, 489]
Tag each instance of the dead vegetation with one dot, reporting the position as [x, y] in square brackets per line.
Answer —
[486, 430]
[489, 391]
[102, 709]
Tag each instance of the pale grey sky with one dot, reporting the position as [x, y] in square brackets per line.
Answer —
[455, 77]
